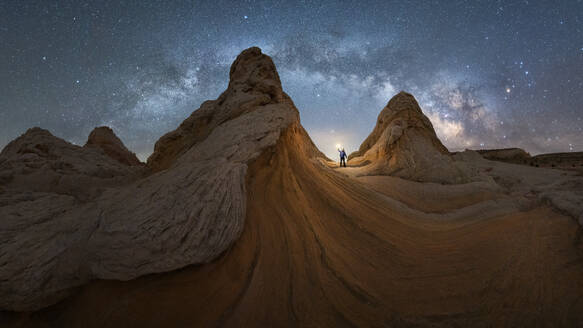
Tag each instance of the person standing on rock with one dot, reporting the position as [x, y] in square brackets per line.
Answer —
[342, 157]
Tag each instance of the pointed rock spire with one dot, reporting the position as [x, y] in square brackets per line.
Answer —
[254, 82]
[105, 139]
[404, 144]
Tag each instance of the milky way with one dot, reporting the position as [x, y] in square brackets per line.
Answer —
[489, 74]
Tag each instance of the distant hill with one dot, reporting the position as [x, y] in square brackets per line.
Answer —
[572, 160]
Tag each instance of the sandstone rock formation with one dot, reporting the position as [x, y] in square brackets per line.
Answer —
[571, 160]
[509, 155]
[189, 212]
[293, 240]
[404, 144]
[37, 161]
[561, 189]
[323, 249]
[254, 82]
[104, 139]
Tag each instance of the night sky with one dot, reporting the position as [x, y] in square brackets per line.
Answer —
[489, 74]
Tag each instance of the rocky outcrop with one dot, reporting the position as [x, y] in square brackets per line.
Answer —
[189, 212]
[254, 82]
[509, 155]
[404, 144]
[37, 161]
[571, 160]
[103, 138]
[562, 189]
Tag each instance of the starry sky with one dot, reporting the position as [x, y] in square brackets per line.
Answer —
[488, 74]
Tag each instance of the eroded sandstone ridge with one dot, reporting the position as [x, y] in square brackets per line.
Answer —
[186, 208]
[404, 144]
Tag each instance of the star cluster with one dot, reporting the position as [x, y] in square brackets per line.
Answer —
[489, 74]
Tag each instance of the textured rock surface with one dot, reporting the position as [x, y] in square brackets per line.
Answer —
[404, 144]
[561, 189]
[104, 139]
[52, 242]
[37, 161]
[253, 82]
[321, 249]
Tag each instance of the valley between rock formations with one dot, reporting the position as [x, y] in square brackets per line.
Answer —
[238, 220]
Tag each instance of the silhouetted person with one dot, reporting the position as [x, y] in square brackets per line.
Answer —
[342, 157]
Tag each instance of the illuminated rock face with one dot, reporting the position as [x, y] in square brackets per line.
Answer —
[404, 144]
[94, 216]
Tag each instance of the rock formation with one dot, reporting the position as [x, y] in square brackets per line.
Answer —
[293, 240]
[560, 160]
[404, 144]
[135, 228]
[508, 155]
[39, 162]
[253, 83]
[104, 139]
